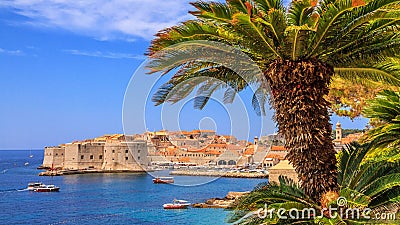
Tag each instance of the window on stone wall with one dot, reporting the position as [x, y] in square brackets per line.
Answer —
[100, 156]
[126, 158]
[126, 151]
[138, 157]
[91, 156]
[113, 151]
[82, 156]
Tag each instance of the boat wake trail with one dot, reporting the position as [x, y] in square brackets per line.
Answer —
[13, 190]
[25, 189]
[9, 190]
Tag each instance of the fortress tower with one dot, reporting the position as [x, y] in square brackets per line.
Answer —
[338, 131]
[255, 140]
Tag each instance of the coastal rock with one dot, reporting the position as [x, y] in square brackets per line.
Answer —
[235, 195]
[225, 202]
[51, 173]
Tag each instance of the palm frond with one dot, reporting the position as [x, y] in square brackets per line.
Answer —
[340, 18]
[349, 162]
[245, 25]
[387, 72]
[382, 184]
[302, 18]
[385, 108]
[259, 100]
[238, 5]
[365, 36]
[266, 6]
[354, 198]
[214, 11]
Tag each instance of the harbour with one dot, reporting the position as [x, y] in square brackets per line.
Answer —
[108, 198]
[215, 173]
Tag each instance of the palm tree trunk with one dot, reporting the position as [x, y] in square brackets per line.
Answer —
[298, 89]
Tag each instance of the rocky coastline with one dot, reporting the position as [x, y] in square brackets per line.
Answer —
[224, 203]
[72, 172]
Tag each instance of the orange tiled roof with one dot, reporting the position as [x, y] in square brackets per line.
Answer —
[170, 151]
[197, 150]
[184, 159]
[274, 156]
[228, 136]
[249, 151]
[207, 131]
[214, 152]
[278, 148]
[351, 137]
[206, 150]
[191, 132]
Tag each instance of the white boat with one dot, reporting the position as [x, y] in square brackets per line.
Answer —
[177, 204]
[47, 188]
[26, 164]
[33, 185]
[40, 187]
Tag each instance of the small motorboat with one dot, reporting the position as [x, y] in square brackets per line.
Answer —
[40, 187]
[33, 185]
[177, 204]
[163, 180]
[26, 164]
[47, 188]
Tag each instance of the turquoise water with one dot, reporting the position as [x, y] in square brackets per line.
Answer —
[104, 198]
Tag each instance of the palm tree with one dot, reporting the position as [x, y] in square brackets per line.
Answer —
[384, 111]
[363, 184]
[298, 50]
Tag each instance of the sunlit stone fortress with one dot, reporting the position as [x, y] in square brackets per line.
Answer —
[109, 152]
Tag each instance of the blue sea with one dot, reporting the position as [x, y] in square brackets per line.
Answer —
[105, 198]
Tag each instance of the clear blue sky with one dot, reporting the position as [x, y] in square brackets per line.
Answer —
[65, 66]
